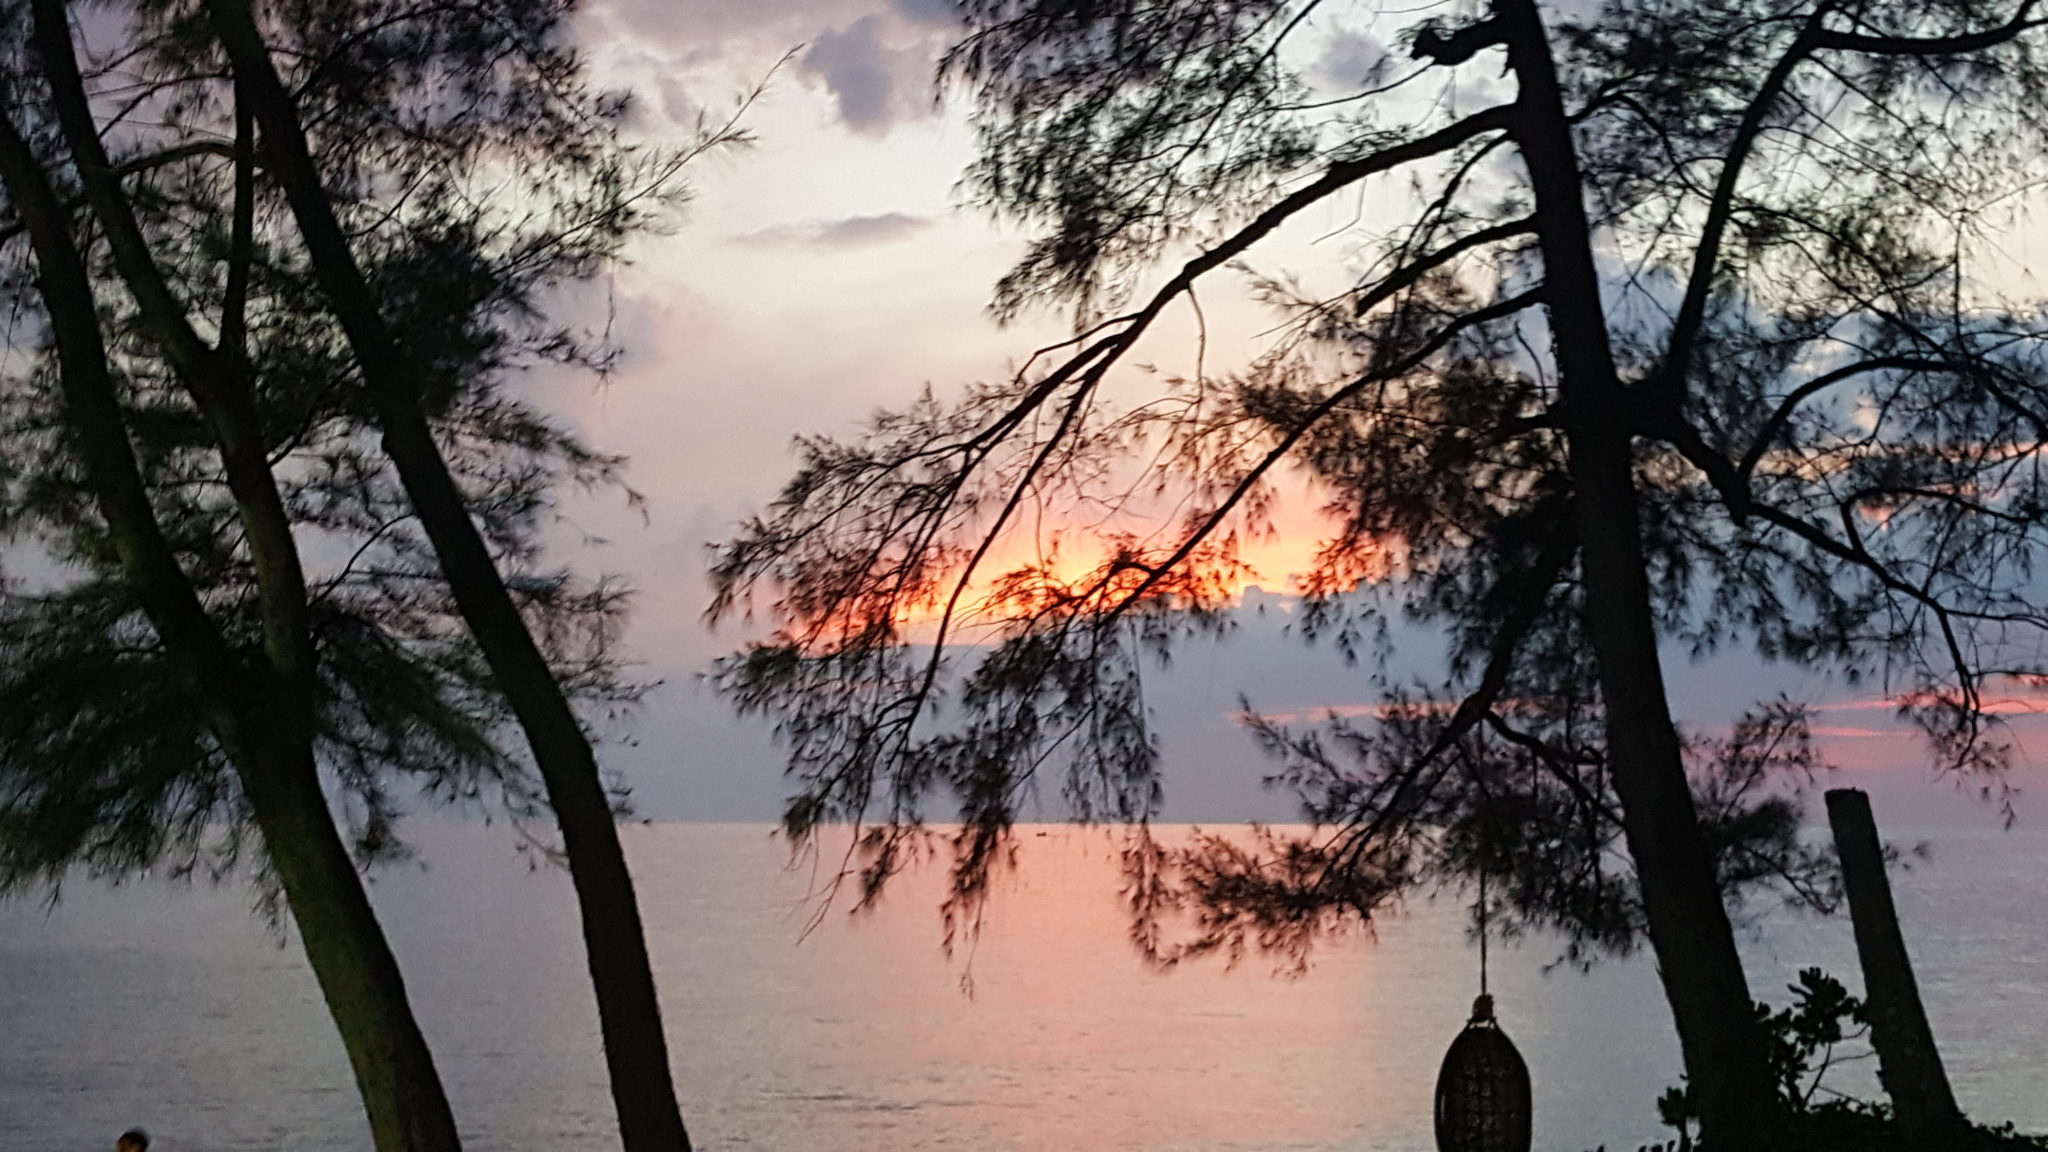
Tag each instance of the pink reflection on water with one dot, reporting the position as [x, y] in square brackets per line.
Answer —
[1069, 1041]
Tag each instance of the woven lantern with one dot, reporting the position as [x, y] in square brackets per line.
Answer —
[1482, 1093]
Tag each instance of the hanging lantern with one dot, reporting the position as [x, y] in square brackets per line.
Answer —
[1482, 1093]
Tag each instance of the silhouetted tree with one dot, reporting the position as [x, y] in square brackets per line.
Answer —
[143, 726]
[1665, 327]
[543, 118]
[266, 538]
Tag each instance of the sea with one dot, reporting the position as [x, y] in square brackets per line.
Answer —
[797, 1024]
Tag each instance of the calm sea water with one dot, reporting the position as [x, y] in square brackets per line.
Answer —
[172, 1008]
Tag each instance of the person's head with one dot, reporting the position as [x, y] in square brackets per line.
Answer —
[133, 1140]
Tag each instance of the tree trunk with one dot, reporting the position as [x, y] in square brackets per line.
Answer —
[1725, 1056]
[1689, 928]
[1907, 1061]
[629, 1013]
[351, 960]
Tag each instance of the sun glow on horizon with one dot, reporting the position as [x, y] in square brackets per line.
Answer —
[1028, 574]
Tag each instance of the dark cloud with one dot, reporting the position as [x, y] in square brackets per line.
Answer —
[847, 232]
[878, 76]
[937, 13]
[855, 67]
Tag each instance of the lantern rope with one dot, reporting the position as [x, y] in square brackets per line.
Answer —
[1482, 928]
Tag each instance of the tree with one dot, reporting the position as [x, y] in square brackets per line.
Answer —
[418, 110]
[107, 766]
[1679, 338]
[397, 387]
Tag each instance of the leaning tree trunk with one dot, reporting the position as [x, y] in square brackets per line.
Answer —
[1689, 927]
[629, 1013]
[351, 960]
[346, 947]
[1725, 1056]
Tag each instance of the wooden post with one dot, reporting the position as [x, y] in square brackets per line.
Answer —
[1908, 1063]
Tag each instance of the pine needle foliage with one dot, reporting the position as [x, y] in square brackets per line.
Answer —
[482, 178]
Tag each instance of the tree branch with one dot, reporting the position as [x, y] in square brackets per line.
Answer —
[137, 164]
[1093, 362]
[1554, 762]
[234, 309]
[1097, 358]
[1934, 45]
[1477, 705]
[1778, 419]
[1735, 493]
[1498, 310]
[1706, 258]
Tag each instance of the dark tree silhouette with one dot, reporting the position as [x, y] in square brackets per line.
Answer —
[201, 434]
[1667, 327]
[399, 389]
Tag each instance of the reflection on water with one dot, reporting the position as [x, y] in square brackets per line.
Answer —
[173, 1009]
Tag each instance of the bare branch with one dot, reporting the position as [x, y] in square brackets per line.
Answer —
[2022, 22]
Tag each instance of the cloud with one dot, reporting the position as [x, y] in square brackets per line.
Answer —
[1350, 61]
[878, 77]
[874, 59]
[760, 28]
[2025, 700]
[937, 13]
[1848, 732]
[844, 233]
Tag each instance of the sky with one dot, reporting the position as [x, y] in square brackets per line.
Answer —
[829, 269]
